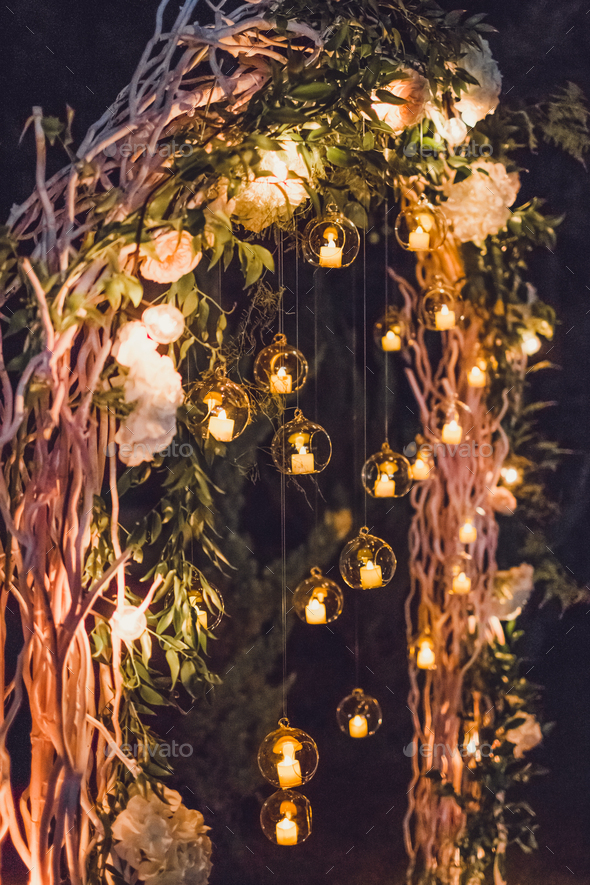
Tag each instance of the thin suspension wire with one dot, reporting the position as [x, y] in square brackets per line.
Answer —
[297, 297]
[365, 359]
[283, 498]
[386, 237]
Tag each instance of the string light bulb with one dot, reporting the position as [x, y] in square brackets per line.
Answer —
[331, 241]
[359, 715]
[280, 368]
[317, 599]
[367, 562]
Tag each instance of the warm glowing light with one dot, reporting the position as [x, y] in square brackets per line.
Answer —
[221, 427]
[384, 487]
[419, 240]
[452, 432]
[282, 382]
[202, 617]
[468, 532]
[331, 255]
[425, 659]
[315, 610]
[510, 475]
[129, 623]
[286, 831]
[371, 575]
[531, 344]
[391, 341]
[420, 469]
[164, 323]
[288, 769]
[444, 318]
[358, 727]
[461, 584]
[476, 376]
[303, 461]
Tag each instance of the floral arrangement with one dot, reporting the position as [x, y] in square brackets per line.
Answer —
[287, 111]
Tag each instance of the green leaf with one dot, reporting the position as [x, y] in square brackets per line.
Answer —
[152, 697]
[312, 92]
[340, 156]
[190, 303]
[174, 664]
[356, 213]
[122, 285]
[389, 97]
[18, 321]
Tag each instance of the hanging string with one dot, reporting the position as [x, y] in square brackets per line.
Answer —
[365, 359]
[386, 237]
[283, 497]
[297, 297]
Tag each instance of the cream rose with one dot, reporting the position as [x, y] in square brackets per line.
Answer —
[512, 589]
[415, 92]
[525, 736]
[478, 207]
[478, 101]
[176, 256]
[502, 500]
[269, 199]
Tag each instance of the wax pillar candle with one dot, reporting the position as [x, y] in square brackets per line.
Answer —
[331, 255]
[476, 377]
[358, 727]
[391, 341]
[467, 532]
[288, 769]
[444, 318]
[371, 576]
[282, 382]
[315, 611]
[384, 487]
[425, 657]
[286, 832]
[303, 461]
[419, 240]
[461, 584]
[221, 427]
[452, 433]
[420, 469]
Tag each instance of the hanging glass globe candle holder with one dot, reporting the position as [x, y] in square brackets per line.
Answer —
[317, 599]
[287, 757]
[387, 474]
[300, 447]
[423, 649]
[459, 574]
[367, 562]
[455, 420]
[441, 306]
[421, 227]
[280, 368]
[331, 241]
[285, 818]
[359, 715]
[392, 331]
[207, 617]
[164, 323]
[477, 373]
[220, 408]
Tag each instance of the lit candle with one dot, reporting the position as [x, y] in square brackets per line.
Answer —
[530, 343]
[391, 341]
[202, 617]
[286, 832]
[510, 475]
[303, 461]
[452, 433]
[371, 575]
[221, 427]
[288, 769]
[384, 487]
[315, 610]
[461, 584]
[282, 382]
[419, 240]
[467, 532]
[425, 658]
[420, 469]
[476, 377]
[358, 727]
[444, 318]
[331, 255]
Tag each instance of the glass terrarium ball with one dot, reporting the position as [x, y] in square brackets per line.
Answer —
[392, 331]
[331, 241]
[454, 420]
[359, 715]
[387, 474]
[458, 569]
[280, 367]
[287, 757]
[300, 447]
[317, 599]
[441, 307]
[421, 227]
[207, 604]
[164, 322]
[218, 408]
[285, 818]
[367, 562]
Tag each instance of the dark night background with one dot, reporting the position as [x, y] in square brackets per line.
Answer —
[82, 54]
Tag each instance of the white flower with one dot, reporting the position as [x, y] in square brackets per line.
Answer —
[176, 256]
[415, 91]
[525, 736]
[452, 129]
[512, 589]
[164, 323]
[128, 622]
[502, 500]
[272, 198]
[479, 206]
[479, 101]
[155, 387]
[164, 842]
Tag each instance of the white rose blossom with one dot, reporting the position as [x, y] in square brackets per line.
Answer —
[478, 101]
[165, 843]
[525, 736]
[269, 199]
[478, 207]
[175, 257]
[512, 589]
[155, 387]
